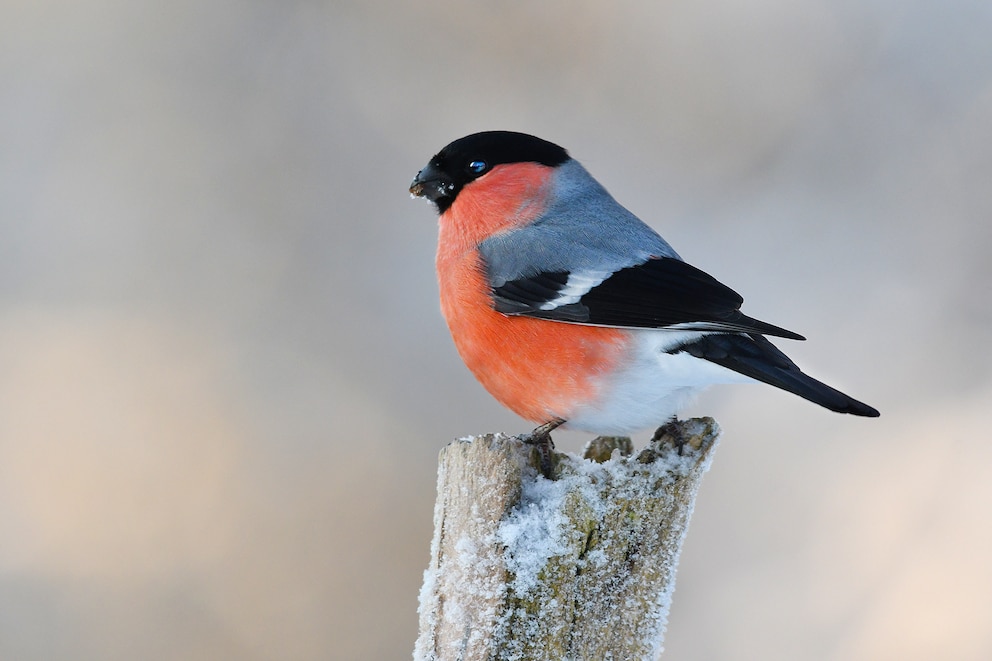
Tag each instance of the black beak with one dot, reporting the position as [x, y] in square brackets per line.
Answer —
[432, 184]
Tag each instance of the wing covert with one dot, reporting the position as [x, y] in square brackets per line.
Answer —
[661, 292]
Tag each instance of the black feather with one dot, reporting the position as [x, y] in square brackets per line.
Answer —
[756, 357]
[657, 293]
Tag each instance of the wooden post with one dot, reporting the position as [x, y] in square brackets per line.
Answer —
[579, 567]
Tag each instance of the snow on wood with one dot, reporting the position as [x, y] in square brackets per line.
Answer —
[578, 567]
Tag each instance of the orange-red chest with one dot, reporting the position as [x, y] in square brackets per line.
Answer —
[539, 369]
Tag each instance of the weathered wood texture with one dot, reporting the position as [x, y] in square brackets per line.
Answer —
[579, 567]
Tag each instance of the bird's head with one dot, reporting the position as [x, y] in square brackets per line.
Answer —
[469, 158]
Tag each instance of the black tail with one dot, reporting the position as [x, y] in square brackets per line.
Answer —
[756, 357]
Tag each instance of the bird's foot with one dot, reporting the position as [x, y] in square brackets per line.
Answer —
[541, 438]
[673, 430]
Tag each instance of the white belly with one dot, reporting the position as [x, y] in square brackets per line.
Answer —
[651, 387]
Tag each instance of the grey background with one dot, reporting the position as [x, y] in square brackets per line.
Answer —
[224, 379]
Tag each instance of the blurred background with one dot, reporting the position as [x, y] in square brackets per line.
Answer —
[224, 378]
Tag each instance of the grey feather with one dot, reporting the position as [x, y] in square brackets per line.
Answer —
[583, 229]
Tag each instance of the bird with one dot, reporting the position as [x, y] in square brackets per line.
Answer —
[574, 313]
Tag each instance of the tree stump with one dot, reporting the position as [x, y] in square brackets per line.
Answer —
[580, 566]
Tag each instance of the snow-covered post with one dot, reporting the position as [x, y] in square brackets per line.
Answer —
[579, 567]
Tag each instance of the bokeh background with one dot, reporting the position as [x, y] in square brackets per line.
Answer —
[224, 379]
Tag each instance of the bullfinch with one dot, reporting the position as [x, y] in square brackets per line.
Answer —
[570, 310]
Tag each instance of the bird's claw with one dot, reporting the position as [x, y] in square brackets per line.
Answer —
[673, 431]
[541, 439]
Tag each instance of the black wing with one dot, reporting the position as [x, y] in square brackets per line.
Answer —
[659, 293]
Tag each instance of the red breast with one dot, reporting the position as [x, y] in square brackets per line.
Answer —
[539, 369]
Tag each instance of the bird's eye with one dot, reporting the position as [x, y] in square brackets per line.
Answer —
[477, 167]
